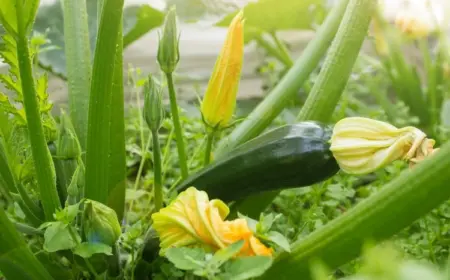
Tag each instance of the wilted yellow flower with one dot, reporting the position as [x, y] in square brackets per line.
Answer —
[362, 145]
[220, 97]
[193, 220]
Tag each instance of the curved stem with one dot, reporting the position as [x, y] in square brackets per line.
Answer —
[177, 126]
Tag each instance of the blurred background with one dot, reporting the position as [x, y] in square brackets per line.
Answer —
[201, 40]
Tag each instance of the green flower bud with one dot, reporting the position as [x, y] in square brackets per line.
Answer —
[68, 144]
[100, 223]
[153, 107]
[168, 49]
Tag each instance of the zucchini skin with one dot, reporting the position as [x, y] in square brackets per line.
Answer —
[290, 156]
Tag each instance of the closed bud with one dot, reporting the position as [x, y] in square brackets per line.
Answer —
[100, 223]
[362, 145]
[68, 145]
[168, 49]
[220, 97]
[153, 107]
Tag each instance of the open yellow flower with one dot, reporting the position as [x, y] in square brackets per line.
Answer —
[362, 145]
[220, 98]
[193, 220]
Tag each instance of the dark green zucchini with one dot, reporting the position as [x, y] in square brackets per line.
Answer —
[287, 157]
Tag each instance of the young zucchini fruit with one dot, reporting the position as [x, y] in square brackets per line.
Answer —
[290, 156]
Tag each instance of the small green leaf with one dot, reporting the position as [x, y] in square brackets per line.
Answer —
[57, 237]
[186, 258]
[279, 240]
[274, 15]
[138, 20]
[445, 113]
[223, 255]
[86, 250]
[246, 268]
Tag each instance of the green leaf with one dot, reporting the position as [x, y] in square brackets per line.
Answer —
[274, 15]
[246, 268]
[117, 157]
[279, 240]
[225, 254]
[78, 62]
[137, 21]
[86, 250]
[16, 259]
[102, 84]
[186, 258]
[57, 237]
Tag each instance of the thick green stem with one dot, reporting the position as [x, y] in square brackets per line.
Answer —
[339, 62]
[177, 126]
[45, 172]
[397, 205]
[78, 57]
[157, 172]
[263, 115]
[209, 144]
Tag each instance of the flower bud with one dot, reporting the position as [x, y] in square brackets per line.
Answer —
[220, 97]
[193, 220]
[68, 145]
[362, 145]
[168, 49]
[100, 223]
[153, 107]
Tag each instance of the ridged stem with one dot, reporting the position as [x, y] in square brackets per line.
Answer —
[45, 173]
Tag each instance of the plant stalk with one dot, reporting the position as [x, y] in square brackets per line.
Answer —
[45, 173]
[209, 144]
[177, 126]
[157, 172]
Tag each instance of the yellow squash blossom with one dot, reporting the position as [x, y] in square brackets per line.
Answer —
[413, 25]
[362, 145]
[220, 98]
[194, 220]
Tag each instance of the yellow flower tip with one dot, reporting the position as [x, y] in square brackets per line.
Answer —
[362, 145]
[220, 98]
[192, 220]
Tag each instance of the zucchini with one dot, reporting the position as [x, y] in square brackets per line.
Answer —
[290, 156]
